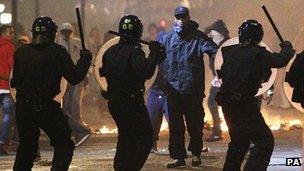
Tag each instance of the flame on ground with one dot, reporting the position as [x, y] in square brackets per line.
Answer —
[274, 126]
[106, 130]
[164, 126]
[224, 126]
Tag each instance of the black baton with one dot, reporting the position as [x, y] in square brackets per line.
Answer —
[118, 34]
[80, 28]
[272, 24]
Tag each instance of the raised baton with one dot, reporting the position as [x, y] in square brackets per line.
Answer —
[80, 28]
[272, 23]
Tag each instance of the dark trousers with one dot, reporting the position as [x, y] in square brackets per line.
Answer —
[246, 125]
[134, 132]
[190, 107]
[213, 108]
[54, 123]
[157, 107]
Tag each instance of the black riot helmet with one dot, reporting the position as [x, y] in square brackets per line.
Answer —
[44, 30]
[250, 32]
[130, 27]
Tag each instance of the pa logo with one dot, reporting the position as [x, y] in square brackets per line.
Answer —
[293, 161]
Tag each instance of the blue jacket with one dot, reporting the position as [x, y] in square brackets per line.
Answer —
[186, 71]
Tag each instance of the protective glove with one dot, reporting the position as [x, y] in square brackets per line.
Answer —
[85, 53]
[287, 49]
[158, 50]
[155, 46]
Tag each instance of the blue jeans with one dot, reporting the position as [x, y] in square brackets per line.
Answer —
[8, 108]
[157, 106]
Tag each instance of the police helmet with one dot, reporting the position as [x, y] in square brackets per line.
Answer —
[45, 27]
[251, 31]
[130, 27]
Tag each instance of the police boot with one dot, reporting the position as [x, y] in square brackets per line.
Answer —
[196, 161]
[177, 163]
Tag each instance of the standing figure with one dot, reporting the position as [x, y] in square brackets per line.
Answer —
[37, 72]
[7, 105]
[157, 99]
[157, 103]
[242, 72]
[296, 80]
[126, 69]
[219, 33]
[185, 46]
[152, 32]
[72, 99]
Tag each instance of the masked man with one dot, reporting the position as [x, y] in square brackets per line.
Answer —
[219, 33]
[185, 46]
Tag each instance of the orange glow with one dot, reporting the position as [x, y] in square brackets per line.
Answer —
[106, 130]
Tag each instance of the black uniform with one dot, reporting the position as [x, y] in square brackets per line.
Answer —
[242, 72]
[36, 76]
[295, 79]
[126, 69]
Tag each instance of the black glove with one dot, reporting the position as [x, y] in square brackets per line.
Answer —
[104, 94]
[155, 46]
[157, 50]
[85, 53]
[287, 49]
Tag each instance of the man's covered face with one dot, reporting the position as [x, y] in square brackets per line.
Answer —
[216, 36]
[182, 19]
[180, 22]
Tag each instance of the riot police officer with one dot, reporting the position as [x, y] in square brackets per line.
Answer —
[126, 69]
[241, 73]
[295, 79]
[37, 72]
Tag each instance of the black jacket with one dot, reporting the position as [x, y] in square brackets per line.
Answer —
[295, 77]
[243, 68]
[126, 68]
[38, 69]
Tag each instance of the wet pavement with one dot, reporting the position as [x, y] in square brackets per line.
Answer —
[97, 154]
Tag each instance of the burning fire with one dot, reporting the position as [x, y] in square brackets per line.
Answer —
[224, 126]
[164, 126]
[277, 125]
[106, 130]
[291, 125]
